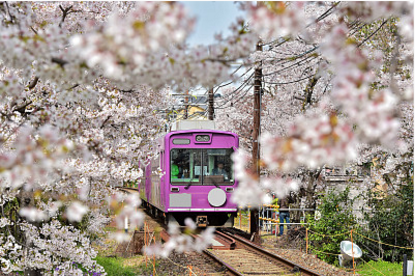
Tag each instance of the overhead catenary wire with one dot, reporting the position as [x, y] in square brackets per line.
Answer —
[280, 41]
[285, 68]
[239, 88]
[235, 101]
[308, 55]
[285, 39]
[291, 57]
[325, 14]
[230, 82]
[282, 83]
[235, 92]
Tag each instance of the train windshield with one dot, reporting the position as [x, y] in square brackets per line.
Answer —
[211, 167]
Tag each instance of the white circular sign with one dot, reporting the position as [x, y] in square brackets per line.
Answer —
[217, 197]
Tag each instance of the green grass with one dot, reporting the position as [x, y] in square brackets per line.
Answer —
[115, 266]
[132, 266]
[385, 268]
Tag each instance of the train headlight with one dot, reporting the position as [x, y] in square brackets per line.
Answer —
[202, 138]
[217, 197]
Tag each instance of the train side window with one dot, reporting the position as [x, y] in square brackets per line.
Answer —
[161, 161]
[155, 163]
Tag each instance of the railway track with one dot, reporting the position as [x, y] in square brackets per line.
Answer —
[241, 257]
[127, 190]
[246, 258]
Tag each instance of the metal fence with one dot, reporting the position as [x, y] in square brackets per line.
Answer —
[269, 217]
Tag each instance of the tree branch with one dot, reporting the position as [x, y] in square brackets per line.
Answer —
[22, 109]
[308, 91]
[299, 98]
[65, 12]
[372, 34]
[33, 83]
[127, 91]
[33, 30]
[59, 61]
[75, 86]
[106, 120]
[8, 11]
[310, 88]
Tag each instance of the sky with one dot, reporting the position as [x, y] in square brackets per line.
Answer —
[212, 17]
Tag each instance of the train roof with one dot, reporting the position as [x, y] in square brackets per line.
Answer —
[193, 125]
[186, 126]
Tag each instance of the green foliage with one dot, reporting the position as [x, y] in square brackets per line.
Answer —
[130, 184]
[390, 220]
[334, 226]
[379, 268]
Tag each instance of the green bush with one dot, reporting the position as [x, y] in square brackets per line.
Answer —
[333, 226]
[390, 220]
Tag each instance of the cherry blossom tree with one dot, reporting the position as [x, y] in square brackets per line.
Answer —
[69, 135]
[331, 88]
[80, 83]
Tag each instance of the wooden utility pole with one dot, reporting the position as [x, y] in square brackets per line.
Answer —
[254, 227]
[186, 105]
[211, 110]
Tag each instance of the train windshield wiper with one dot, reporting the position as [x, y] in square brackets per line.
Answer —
[215, 183]
[190, 183]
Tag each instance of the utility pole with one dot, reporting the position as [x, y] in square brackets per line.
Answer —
[211, 110]
[186, 105]
[254, 227]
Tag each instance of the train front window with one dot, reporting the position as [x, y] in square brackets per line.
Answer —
[219, 167]
[185, 165]
[210, 167]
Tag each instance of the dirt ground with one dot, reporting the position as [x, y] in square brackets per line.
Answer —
[179, 264]
[292, 251]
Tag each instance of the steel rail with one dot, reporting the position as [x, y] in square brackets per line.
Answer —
[286, 262]
[165, 237]
[230, 269]
[125, 189]
[228, 242]
[236, 241]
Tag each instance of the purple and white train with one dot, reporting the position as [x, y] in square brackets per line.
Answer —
[198, 177]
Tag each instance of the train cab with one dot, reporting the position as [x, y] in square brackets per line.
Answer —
[198, 176]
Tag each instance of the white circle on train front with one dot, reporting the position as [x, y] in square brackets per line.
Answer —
[217, 197]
